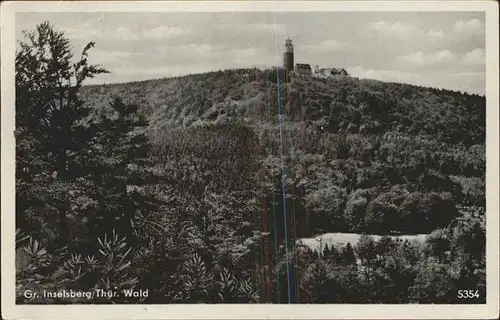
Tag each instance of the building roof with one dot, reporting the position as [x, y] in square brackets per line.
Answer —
[303, 66]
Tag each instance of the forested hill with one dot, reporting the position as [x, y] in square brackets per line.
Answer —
[339, 104]
[360, 155]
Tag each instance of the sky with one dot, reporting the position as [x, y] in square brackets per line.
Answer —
[437, 49]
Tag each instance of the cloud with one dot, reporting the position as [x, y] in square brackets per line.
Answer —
[243, 57]
[101, 57]
[394, 29]
[126, 73]
[267, 27]
[201, 49]
[164, 32]
[405, 30]
[437, 34]
[468, 26]
[420, 58]
[325, 46]
[470, 74]
[210, 54]
[120, 33]
[245, 52]
[473, 82]
[170, 71]
[474, 57]
[190, 50]
[384, 75]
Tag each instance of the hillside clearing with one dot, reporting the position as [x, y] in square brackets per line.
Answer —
[341, 239]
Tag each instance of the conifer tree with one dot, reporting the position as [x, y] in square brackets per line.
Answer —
[347, 256]
[326, 251]
[119, 170]
[52, 144]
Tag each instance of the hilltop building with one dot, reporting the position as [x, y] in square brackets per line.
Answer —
[304, 69]
[329, 72]
[288, 55]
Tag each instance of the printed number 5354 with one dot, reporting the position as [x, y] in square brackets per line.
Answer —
[468, 294]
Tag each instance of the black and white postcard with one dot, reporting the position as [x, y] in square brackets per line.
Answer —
[250, 159]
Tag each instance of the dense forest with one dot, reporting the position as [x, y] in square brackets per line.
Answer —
[196, 188]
